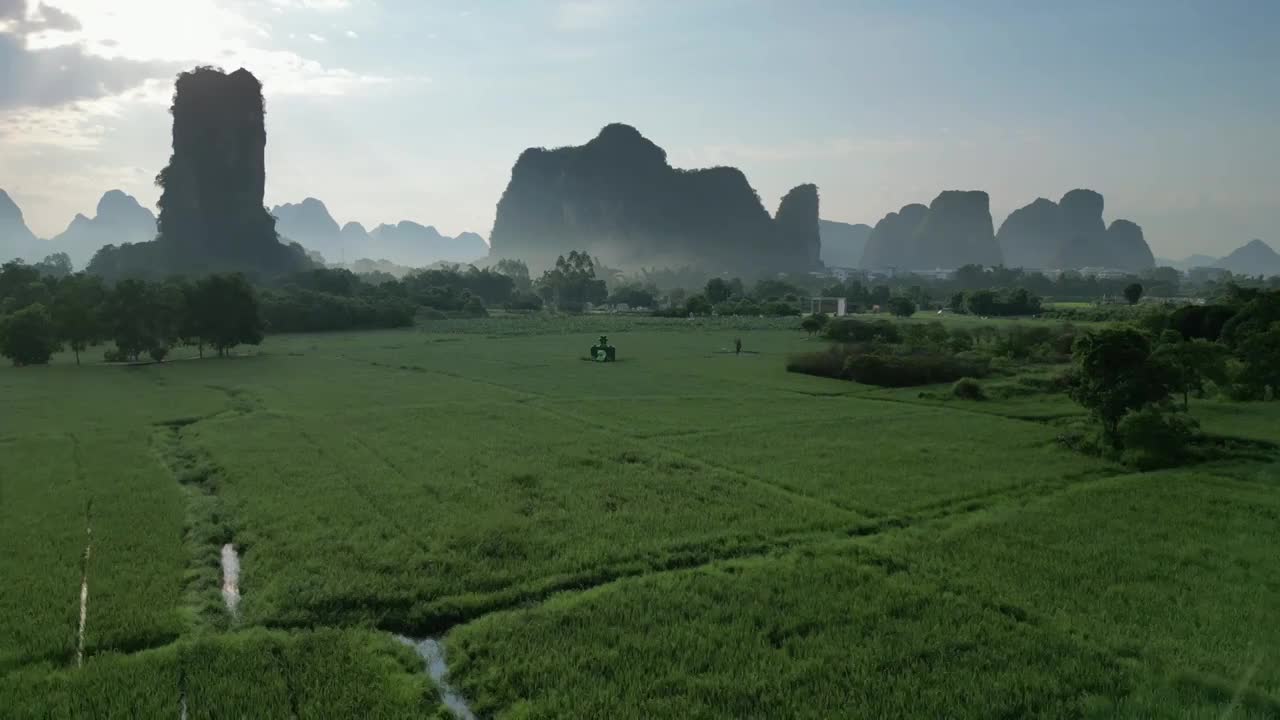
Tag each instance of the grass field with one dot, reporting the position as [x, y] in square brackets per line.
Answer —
[684, 533]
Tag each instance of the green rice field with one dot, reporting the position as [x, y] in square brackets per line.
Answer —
[686, 533]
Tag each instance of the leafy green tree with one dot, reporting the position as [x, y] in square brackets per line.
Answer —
[225, 312]
[1154, 439]
[635, 295]
[698, 305]
[1133, 293]
[127, 314]
[981, 302]
[28, 336]
[56, 265]
[1115, 375]
[717, 291]
[813, 323]
[1260, 353]
[518, 271]
[1192, 362]
[77, 311]
[902, 306]
[1257, 312]
[572, 283]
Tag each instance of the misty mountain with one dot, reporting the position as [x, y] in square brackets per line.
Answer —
[409, 243]
[1072, 234]
[1191, 261]
[1253, 258]
[309, 224]
[16, 239]
[406, 243]
[954, 230]
[119, 219]
[843, 243]
[618, 198]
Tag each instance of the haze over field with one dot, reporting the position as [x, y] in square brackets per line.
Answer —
[398, 110]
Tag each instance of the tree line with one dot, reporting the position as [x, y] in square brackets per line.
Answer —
[40, 314]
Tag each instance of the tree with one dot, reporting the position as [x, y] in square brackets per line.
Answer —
[813, 323]
[717, 291]
[1115, 374]
[698, 305]
[225, 312]
[902, 306]
[57, 265]
[28, 336]
[572, 283]
[1192, 362]
[77, 311]
[981, 302]
[517, 270]
[1133, 293]
[1260, 353]
[126, 312]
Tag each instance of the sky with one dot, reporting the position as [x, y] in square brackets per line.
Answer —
[393, 110]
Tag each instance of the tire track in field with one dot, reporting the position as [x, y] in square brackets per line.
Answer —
[526, 394]
[84, 583]
[80, 480]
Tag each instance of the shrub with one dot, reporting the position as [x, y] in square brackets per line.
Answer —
[474, 307]
[524, 301]
[854, 330]
[966, 388]
[813, 323]
[28, 336]
[1152, 438]
[698, 305]
[901, 306]
[887, 370]
[158, 353]
[779, 309]
[827, 363]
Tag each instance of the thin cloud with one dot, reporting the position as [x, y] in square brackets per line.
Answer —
[315, 37]
[326, 5]
[55, 76]
[583, 15]
[352, 34]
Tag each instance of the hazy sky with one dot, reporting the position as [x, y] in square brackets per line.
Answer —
[416, 109]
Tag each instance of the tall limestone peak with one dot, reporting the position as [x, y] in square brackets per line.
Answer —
[891, 244]
[1072, 234]
[957, 231]
[1029, 237]
[211, 212]
[797, 221]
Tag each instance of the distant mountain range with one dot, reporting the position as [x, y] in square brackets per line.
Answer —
[843, 243]
[405, 243]
[1031, 235]
[119, 219]
[1253, 258]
